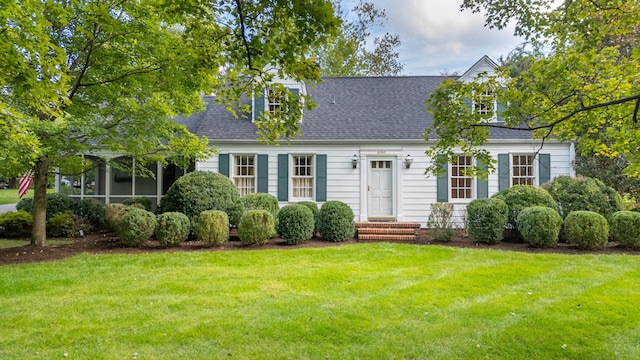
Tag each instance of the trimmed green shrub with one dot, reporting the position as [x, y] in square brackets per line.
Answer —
[624, 227]
[295, 224]
[587, 229]
[25, 204]
[256, 227]
[113, 213]
[93, 210]
[439, 221]
[583, 193]
[335, 221]
[540, 226]
[59, 203]
[56, 203]
[61, 224]
[16, 224]
[145, 202]
[519, 197]
[262, 201]
[314, 209]
[136, 226]
[212, 227]
[198, 191]
[486, 219]
[172, 228]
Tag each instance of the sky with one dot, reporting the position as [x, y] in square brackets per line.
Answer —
[437, 38]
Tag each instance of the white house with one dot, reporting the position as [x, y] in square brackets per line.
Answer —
[362, 145]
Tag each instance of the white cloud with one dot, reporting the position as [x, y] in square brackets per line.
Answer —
[437, 37]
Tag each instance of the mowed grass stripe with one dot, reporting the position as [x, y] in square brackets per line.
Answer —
[348, 302]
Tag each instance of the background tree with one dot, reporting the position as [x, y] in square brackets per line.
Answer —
[585, 88]
[109, 76]
[347, 53]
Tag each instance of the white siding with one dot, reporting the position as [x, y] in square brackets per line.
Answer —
[414, 191]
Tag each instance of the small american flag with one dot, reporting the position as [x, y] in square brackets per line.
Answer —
[25, 182]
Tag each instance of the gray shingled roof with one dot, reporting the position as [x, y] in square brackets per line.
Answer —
[348, 108]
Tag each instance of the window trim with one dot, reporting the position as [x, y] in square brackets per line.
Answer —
[512, 166]
[450, 178]
[314, 174]
[233, 176]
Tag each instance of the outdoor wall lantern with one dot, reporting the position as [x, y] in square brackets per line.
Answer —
[407, 161]
[354, 161]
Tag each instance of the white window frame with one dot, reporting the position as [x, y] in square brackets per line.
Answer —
[514, 177]
[237, 176]
[293, 190]
[455, 178]
[477, 105]
[272, 106]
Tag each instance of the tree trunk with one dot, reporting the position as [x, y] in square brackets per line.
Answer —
[39, 232]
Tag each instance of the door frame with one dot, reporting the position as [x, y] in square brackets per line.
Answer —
[366, 183]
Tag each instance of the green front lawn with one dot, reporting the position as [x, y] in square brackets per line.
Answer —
[360, 301]
[10, 196]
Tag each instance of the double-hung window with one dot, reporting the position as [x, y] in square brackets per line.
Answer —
[522, 170]
[485, 104]
[302, 177]
[244, 174]
[461, 183]
[274, 100]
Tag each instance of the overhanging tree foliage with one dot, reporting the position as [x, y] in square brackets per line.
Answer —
[586, 88]
[82, 76]
[348, 54]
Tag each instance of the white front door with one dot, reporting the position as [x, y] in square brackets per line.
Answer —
[380, 188]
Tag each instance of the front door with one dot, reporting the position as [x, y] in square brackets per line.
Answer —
[380, 188]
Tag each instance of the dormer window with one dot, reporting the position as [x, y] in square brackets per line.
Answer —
[485, 103]
[274, 100]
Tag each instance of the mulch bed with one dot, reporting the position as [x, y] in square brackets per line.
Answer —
[107, 243]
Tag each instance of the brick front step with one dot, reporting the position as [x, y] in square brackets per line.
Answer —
[391, 231]
[375, 224]
[386, 237]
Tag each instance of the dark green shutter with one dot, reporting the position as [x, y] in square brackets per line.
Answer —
[223, 164]
[283, 177]
[483, 184]
[468, 104]
[263, 173]
[503, 171]
[258, 104]
[321, 177]
[544, 164]
[501, 109]
[443, 182]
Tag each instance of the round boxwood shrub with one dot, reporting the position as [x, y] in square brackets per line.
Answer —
[587, 229]
[624, 227]
[93, 211]
[295, 224]
[61, 224]
[314, 209]
[198, 191]
[256, 227]
[172, 228]
[583, 193]
[486, 219]
[16, 224]
[144, 202]
[113, 213]
[540, 226]
[212, 227]
[519, 197]
[136, 226]
[335, 221]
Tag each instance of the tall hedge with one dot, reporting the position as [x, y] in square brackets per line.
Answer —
[199, 191]
[519, 197]
[583, 193]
